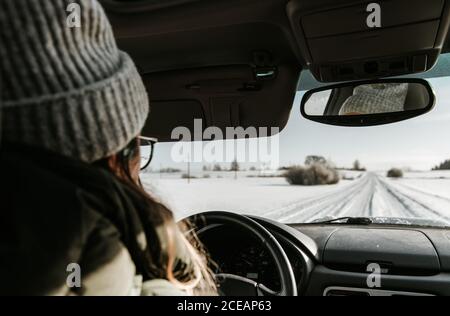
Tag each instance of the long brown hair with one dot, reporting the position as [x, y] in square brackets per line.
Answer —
[178, 256]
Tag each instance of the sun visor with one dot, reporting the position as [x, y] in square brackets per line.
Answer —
[223, 97]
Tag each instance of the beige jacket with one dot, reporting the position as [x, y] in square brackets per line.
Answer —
[118, 278]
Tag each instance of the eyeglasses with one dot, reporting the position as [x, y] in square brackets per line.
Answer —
[147, 146]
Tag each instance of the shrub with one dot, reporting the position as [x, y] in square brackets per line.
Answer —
[395, 173]
[169, 170]
[263, 176]
[315, 174]
[186, 176]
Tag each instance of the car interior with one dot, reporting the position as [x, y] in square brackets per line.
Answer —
[237, 63]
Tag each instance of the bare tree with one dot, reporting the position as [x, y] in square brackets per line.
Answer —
[234, 166]
[311, 160]
[357, 165]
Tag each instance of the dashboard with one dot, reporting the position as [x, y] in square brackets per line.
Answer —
[333, 260]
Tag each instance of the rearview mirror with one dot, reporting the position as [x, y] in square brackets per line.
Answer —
[368, 103]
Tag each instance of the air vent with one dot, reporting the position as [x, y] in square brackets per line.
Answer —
[129, 6]
[347, 291]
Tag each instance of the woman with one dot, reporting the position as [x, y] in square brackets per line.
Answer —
[74, 217]
[376, 99]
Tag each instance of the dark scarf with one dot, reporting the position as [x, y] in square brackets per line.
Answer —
[56, 211]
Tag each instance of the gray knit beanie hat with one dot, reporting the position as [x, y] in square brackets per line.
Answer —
[67, 89]
[376, 99]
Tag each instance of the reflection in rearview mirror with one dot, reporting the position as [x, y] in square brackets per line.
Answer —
[369, 103]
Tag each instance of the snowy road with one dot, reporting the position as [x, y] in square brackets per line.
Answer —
[369, 196]
[420, 195]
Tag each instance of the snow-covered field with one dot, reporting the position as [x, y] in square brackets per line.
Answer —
[422, 195]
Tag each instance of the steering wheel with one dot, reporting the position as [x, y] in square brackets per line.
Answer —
[233, 285]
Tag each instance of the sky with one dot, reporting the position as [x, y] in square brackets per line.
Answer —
[418, 144]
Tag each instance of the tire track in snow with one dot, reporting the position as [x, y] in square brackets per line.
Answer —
[327, 204]
[419, 191]
[420, 206]
[370, 196]
[388, 205]
[312, 202]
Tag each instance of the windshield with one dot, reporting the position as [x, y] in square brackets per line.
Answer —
[398, 173]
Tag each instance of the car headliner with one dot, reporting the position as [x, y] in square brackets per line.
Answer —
[199, 58]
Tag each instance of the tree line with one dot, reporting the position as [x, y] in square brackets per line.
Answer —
[443, 166]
